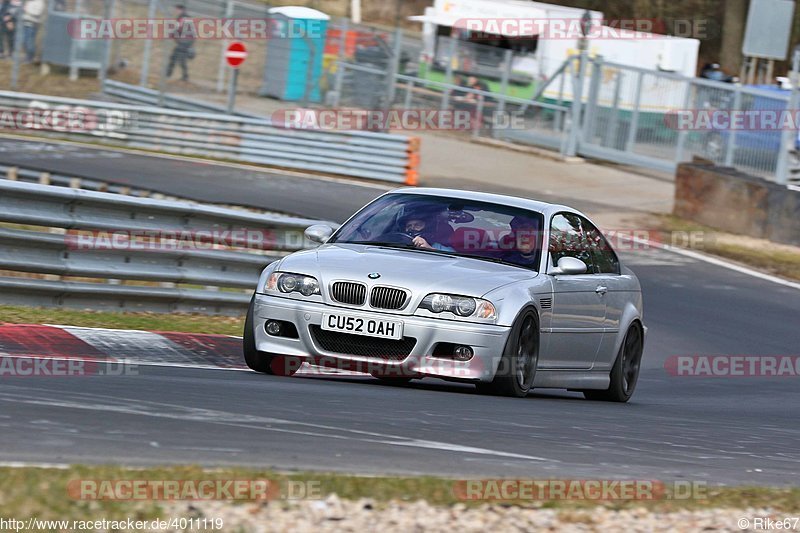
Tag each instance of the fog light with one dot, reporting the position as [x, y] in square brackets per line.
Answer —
[273, 327]
[463, 353]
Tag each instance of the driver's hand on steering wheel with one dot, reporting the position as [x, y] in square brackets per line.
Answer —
[420, 242]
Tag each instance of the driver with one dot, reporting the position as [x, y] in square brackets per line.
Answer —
[415, 226]
[526, 233]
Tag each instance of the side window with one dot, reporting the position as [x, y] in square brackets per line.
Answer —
[605, 260]
[567, 239]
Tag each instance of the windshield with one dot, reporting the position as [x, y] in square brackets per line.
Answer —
[464, 228]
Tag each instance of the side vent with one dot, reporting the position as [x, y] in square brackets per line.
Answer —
[546, 303]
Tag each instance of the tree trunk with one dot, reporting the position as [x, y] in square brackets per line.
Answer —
[733, 25]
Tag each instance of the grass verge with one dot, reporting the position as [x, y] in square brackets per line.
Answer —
[44, 493]
[186, 323]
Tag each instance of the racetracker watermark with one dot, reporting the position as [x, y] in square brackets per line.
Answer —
[571, 29]
[601, 490]
[733, 366]
[49, 367]
[396, 119]
[210, 28]
[65, 118]
[733, 120]
[188, 239]
[193, 489]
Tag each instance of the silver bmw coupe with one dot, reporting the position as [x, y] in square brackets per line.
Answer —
[507, 293]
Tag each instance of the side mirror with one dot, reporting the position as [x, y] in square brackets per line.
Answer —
[569, 266]
[319, 233]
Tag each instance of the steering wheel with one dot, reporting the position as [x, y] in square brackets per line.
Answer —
[398, 237]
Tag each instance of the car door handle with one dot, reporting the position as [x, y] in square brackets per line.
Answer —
[601, 289]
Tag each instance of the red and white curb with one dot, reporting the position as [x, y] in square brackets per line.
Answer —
[146, 348]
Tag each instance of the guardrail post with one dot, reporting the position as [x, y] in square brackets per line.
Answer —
[11, 173]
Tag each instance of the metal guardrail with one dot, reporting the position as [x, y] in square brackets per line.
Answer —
[184, 249]
[377, 156]
[152, 97]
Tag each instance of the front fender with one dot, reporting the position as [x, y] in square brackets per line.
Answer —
[510, 299]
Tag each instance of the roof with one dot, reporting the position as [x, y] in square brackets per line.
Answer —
[513, 201]
[299, 12]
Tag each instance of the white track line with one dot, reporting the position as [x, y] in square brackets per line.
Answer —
[721, 263]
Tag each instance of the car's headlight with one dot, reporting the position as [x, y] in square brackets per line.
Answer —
[288, 283]
[463, 306]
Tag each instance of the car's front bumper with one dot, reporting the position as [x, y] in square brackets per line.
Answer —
[486, 340]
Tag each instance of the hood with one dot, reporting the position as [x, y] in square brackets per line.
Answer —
[420, 272]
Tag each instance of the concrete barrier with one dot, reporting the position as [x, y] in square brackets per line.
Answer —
[729, 200]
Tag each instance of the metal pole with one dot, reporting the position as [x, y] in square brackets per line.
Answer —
[504, 81]
[162, 84]
[409, 94]
[449, 75]
[232, 90]
[683, 134]
[788, 136]
[17, 50]
[612, 132]
[577, 104]
[590, 113]
[148, 46]
[221, 69]
[312, 48]
[108, 14]
[478, 119]
[394, 68]
[634, 126]
[730, 147]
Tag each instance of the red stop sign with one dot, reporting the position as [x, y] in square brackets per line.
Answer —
[235, 54]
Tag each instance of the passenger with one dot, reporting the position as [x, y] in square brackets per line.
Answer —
[526, 234]
[419, 228]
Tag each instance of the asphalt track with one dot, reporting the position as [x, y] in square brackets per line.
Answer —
[721, 430]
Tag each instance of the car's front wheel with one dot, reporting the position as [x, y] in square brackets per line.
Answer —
[265, 363]
[520, 358]
[625, 373]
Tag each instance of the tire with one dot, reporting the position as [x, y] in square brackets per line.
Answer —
[262, 362]
[520, 358]
[625, 373]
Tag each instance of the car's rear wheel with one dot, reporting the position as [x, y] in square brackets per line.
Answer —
[265, 363]
[517, 368]
[625, 373]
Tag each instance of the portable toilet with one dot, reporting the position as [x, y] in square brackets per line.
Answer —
[295, 51]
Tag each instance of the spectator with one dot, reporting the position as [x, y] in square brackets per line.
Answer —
[31, 20]
[184, 45]
[8, 13]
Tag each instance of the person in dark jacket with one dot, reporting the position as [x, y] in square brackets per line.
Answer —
[184, 46]
[9, 9]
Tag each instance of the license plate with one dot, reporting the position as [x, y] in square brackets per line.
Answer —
[359, 325]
